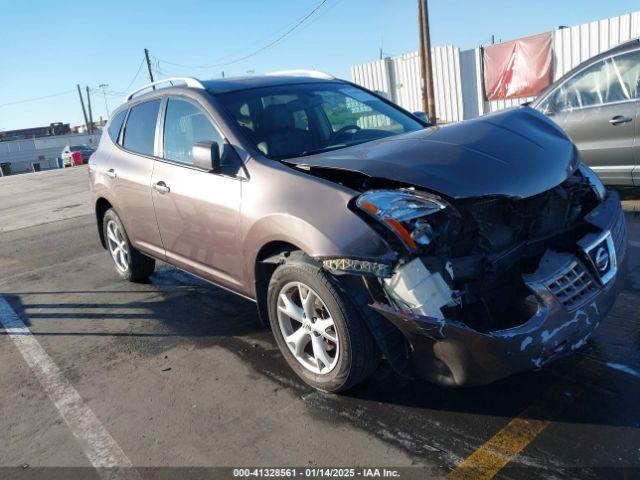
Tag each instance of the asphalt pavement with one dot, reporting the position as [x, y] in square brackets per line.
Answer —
[176, 376]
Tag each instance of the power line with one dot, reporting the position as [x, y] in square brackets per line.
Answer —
[259, 50]
[18, 102]
[136, 75]
[262, 39]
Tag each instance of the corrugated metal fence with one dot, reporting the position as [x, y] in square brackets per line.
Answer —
[458, 81]
[399, 79]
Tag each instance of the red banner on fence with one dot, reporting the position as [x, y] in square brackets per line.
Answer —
[518, 68]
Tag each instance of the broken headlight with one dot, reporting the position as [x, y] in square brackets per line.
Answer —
[404, 212]
[594, 180]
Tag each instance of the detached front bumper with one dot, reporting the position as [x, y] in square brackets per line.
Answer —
[572, 296]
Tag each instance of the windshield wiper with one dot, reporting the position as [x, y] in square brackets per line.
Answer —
[320, 150]
[305, 153]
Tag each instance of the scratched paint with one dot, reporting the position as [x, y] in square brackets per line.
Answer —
[546, 335]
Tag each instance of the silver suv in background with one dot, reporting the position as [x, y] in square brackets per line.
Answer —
[596, 103]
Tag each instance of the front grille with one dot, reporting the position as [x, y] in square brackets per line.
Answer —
[619, 234]
[572, 286]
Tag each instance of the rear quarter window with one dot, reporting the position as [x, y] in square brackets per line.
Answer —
[116, 125]
[140, 129]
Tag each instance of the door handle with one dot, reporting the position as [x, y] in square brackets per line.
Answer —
[620, 120]
[111, 173]
[161, 187]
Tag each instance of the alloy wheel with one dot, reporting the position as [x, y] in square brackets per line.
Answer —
[308, 328]
[117, 246]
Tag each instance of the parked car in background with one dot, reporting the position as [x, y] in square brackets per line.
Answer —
[462, 254]
[597, 104]
[74, 155]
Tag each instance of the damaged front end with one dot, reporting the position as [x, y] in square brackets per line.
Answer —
[495, 285]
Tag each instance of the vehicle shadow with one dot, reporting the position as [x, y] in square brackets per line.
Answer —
[176, 308]
[172, 304]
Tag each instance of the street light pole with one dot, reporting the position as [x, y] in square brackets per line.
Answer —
[428, 94]
[102, 86]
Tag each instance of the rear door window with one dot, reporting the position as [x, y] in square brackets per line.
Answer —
[140, 129]
[116, 125]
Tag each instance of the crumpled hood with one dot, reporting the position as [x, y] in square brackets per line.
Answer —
[517, 153]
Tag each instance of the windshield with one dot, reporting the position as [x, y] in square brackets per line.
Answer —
[296, 120]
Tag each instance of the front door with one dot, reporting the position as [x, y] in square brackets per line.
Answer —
[197, 211]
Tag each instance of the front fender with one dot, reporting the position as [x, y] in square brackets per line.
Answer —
[308, 212]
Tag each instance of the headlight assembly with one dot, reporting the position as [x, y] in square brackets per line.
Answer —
[594, 180]
[404, 212]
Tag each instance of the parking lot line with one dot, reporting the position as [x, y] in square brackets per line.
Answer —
[499, 450]
[635, 244]
[98, 445]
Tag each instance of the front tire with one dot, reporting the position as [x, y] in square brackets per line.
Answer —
[318, 329]
[129, 262]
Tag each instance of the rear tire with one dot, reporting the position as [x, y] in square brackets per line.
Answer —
[129, 262]
[350, 352]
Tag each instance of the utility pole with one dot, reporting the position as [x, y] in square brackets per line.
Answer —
[102, 86]
[90, 112]
[428, 95]
[84, 112]
[146, 55]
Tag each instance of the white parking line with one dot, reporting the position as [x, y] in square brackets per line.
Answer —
[634, 243]
[98, 445]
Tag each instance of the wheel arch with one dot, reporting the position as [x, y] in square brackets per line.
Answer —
[269, 256]
[101, 207]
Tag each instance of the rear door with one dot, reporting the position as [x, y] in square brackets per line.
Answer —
[597, 107]
[197, 211]
[129, 169]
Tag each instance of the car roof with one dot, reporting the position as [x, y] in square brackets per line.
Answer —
[623, 47]
[229, 84]
[226, 85]
[233, 84]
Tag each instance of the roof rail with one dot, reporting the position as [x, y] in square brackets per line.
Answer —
[190, 81]
[302, 73]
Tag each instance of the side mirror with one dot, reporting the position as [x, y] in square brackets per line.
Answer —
[422, 116]
[206, 155]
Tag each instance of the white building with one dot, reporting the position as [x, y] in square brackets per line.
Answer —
[40, 153]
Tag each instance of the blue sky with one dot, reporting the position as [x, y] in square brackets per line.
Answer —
[49, 46]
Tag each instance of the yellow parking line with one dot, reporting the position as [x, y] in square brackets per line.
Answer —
[500, 449]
